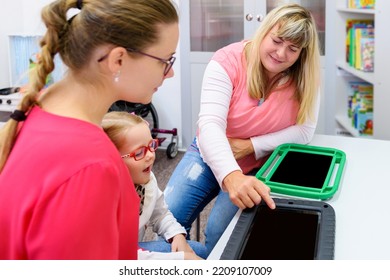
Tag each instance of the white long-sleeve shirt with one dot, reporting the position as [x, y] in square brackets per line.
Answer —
[216, 111]
[155, 213]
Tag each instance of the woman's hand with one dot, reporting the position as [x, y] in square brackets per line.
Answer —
[241, 147]
[247, 191]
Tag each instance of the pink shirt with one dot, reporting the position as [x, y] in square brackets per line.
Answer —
[246, 118]
[227, 110]
[65, 193]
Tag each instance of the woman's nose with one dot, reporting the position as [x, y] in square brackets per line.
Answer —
[170, 74]
[281, 52]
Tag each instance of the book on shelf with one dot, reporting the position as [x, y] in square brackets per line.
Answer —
[361, 4]
[360, 106]
[360, 44]
[367, 50]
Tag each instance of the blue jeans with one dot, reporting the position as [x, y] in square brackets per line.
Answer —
[164, 247]
[191, 187]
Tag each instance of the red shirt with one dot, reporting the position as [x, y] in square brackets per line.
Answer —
[65, 193]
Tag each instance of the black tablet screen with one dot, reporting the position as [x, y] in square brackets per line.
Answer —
[303, 169]
[282, 234]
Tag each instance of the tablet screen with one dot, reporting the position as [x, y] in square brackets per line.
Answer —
[282, 234]
[295, 230]
[303, 169]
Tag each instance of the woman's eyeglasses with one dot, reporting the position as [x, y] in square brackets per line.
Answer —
[168, 62]
[140, 153]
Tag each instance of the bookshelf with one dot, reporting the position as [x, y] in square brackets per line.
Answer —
[339, 73]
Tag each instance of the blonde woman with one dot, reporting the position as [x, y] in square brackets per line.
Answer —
[256, 95]
[65, 192]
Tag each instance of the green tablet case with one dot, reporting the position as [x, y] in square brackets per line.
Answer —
[303, 171]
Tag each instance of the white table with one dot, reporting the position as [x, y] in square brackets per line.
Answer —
[362, 202]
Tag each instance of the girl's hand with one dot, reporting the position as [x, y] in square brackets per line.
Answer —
[179, 243]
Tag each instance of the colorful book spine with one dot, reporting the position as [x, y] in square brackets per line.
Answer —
[360, 106]
[361, 4]
[360, 44]
[367, 50]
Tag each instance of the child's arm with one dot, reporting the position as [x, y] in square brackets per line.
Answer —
[162, 220]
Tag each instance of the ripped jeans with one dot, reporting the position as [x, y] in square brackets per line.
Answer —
[191, 187]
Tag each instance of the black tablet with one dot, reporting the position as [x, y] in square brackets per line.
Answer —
[303, 171]
[295, 230]
[314, 166]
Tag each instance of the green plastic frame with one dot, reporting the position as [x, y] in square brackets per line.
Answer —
[328, 189]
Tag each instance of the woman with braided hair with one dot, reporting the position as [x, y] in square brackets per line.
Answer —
[65, 192]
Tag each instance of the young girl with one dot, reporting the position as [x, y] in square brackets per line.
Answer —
[131, 135]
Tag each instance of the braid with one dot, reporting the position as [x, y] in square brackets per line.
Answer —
[132, 23]
[54, 16]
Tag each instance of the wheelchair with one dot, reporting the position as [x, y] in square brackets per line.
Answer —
[149, 113]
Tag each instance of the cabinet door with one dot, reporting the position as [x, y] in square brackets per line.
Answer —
[206, 26]
[216, 23]
[213, 24]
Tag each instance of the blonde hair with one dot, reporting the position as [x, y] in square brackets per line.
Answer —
[297, 25]
[126, 23]
[115, 124]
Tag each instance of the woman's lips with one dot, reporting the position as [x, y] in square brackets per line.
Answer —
[275, 60]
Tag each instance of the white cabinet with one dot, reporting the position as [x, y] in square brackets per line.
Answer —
[339, 73]
[206, 26]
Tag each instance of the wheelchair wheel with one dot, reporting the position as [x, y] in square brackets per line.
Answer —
[146, 111]
[172, 150]
[152, 119]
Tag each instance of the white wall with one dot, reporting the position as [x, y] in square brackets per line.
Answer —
[168, 101]
[23, 17]
[11, 22]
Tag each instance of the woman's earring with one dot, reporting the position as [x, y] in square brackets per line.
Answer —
[116, 77]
